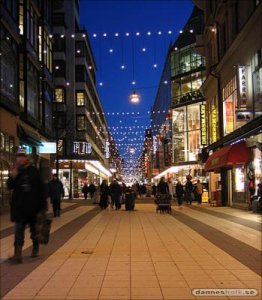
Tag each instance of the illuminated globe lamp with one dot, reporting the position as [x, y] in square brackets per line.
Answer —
[134, 97]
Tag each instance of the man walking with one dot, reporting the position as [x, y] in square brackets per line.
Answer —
[28, 199]
[116, 192]
[189, 189]
[55, 192]
[179, 193]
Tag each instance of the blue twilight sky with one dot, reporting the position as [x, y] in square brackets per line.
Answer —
[123, 17]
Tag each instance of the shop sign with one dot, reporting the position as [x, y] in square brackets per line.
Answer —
[107, 149]
[214, 123]
[242, 86]
[82, 148]
[203, 124]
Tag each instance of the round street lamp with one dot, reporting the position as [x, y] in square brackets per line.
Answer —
[134, 97]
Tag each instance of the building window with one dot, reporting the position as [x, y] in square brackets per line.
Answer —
[81, 74]
[47, 50]
[59, 68]
[59, 94]
[80, 123]
[8, 67]
[233, 116]
[186, 133]
[59, 43]
[58, 19]
[80, 98]
[32, 91]
[21, 17]
[11, 6]
[61, 147]
[32, 25]
[80, 49]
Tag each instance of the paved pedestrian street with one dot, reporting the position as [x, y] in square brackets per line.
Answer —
[140, 254]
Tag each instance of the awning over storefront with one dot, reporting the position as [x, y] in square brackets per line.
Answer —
[228, 156]
[27, 137]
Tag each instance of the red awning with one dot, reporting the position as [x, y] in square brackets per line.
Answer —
[228, 156]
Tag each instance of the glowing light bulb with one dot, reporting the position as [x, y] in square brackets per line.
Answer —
[144, 49]
[123, 67]
[94, 35]
[155, 65]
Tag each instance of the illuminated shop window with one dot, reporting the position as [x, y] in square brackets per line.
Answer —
[80, 98]
[59, 95]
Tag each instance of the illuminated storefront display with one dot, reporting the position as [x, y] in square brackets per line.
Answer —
[230, 102]
[186, 133]
[240, 179]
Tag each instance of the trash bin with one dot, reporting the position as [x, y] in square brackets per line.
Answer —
[130, 201]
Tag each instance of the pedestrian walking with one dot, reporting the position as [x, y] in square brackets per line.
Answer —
[55, 192]
[92, 190]
[179, 193]
[85, 190]
[116, 192]
[104, 194]
[199, 192]
[28, 199]
[189, 190]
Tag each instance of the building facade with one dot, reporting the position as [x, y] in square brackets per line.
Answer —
[231, 43]
[26, 86]
[80, 125]
[189, 132]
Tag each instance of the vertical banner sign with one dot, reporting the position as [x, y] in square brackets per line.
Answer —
[203, 124]
[242, 86]
[107, 149]
[214, 123]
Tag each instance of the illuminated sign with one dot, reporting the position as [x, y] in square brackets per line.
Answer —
[203, 124]
[242, 86]
[214, 123]
[82, 148]
[47, 148]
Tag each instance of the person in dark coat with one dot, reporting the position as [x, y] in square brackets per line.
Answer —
[154, 189]
[179, 192]
[55, 192]
[189, 190]
[85, 190]
[28, 199]
[116, 192]
[162, 187]
[92, 190]
[104, 194]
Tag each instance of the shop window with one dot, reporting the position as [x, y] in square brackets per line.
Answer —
[80, 98]
[59, 95]
[229, 104]
[80, 123]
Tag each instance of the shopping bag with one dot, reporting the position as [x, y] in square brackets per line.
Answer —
[43, 227]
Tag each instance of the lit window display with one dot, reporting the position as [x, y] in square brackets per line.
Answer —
[187, 88]
[185, 60]
[186, 137]
[240, 179]
[229, 103]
